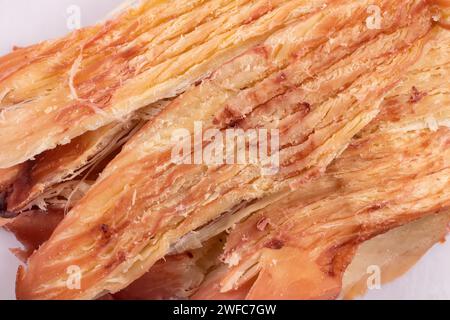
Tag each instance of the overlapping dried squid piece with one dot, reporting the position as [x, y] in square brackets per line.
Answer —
[376, 262]
[7, 177]
[319, 85]
[391, 175]
[398, 166]
[390, 255]
[147, 54]
[33, 228]
[64, 163]
[210, 289]
[176, 276]
[319, 231]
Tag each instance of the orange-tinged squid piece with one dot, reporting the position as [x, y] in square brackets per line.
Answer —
[319, 86]
[104, 74]
[395, 171]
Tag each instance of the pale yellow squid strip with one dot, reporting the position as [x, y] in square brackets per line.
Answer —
[104, 74]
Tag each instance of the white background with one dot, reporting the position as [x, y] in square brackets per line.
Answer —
[24, 22]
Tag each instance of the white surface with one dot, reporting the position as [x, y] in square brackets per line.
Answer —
[24, 22]
[429, 279]
[8, 266]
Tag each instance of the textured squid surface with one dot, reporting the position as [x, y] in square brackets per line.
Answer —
[395, 171]
[177, 276]
[319, 80]
[102, 74]
[394, 253]
[64, 163]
